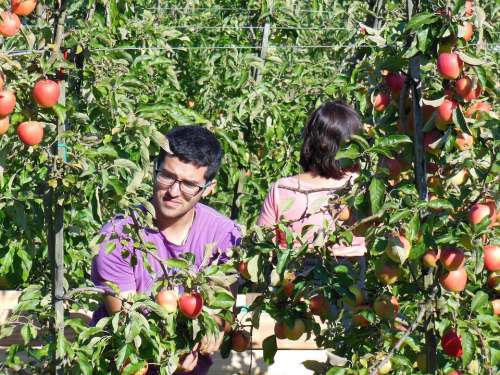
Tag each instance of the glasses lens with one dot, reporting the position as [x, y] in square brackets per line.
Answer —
[165, 180]
[189, 189]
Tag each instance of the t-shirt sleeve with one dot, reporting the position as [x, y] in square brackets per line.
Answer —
[269, 211]
[112, 267]
[356, 249]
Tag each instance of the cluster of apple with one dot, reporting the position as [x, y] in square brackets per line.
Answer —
[10, 23]
[189, 304]
[46, 95]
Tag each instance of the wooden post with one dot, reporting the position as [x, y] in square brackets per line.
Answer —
[56, 226]
[421, 182]
[264, 48]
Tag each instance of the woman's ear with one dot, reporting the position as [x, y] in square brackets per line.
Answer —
[210, 189]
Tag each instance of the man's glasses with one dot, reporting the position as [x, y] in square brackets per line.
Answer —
[187, 188]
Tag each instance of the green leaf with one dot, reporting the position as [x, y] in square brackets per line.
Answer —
[336, 371]
[269, 347]
[350, 152]
[110, 247]
[421, 19]
[133, 368]
[377, 194]
[480, 299]
[468, 346]
[459, 120]
[178, 263]
[222, 301]
[283, 258]
[253, 268]
[469, 59]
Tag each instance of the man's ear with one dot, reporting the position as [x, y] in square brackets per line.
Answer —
[210, 189]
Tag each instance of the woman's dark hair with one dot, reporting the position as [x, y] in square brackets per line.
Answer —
[326, 129]
[196, 145]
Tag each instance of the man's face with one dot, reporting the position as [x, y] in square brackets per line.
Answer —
[171, 202]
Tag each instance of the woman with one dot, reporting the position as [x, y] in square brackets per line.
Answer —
[329, 126]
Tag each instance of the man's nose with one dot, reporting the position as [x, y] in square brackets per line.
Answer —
[175, 189]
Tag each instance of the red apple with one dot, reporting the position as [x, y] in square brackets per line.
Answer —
[10, 24]
[454, 281]
[381, 101]
[452, 258]
[240, 341]
[474, 93]
[491, 256]
[46, 93]
[451, 343]
[478, 212]
[30, 132]
[7, 102]
[449, 65]
[23, 7]
[168, 300]
[191, 305]
[318, 305]
[279, 330]
[4, 125]
[463, 86]
[496, 306]
[395, 81]
[494, 281]
[445, 110]
[243, 269]
[358, 319]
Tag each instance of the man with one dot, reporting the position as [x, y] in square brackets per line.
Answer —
[184, 174]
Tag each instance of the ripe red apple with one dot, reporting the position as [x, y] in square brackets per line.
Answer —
[386, 307]
[10, 24]
[288, 289]
[454, 281]
[30, 132]
[168, 300]
[493, 209]
[463, 86]
[430, 138]
[464, 141]
[398, 248]
[297, 330]
[46, 93]
[191, 305]
[474, 93]
[7, 102]
[381, 101]
[23, 7]
[243, 270]
[478, 107]
[491, 256]
[358, 299]
[452, 258]
[494, 281]
[454, 372]
[449, 65]
[279, 330]
[395, 82]
[496, 306]
[445, 110]
[451, 343]
[387, 273]
[318, 305]
[468, 31]
[478, 212]
[4, 125]
[431, 258]
[240, 341]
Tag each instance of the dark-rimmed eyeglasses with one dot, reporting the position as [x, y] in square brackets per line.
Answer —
[187, 188]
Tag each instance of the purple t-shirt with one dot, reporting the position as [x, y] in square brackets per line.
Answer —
[209, 228]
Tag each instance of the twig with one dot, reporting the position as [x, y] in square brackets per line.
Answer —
[400, 342]
[143, 242]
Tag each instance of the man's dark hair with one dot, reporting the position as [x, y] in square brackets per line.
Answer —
[196, 145]
[326, 129]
